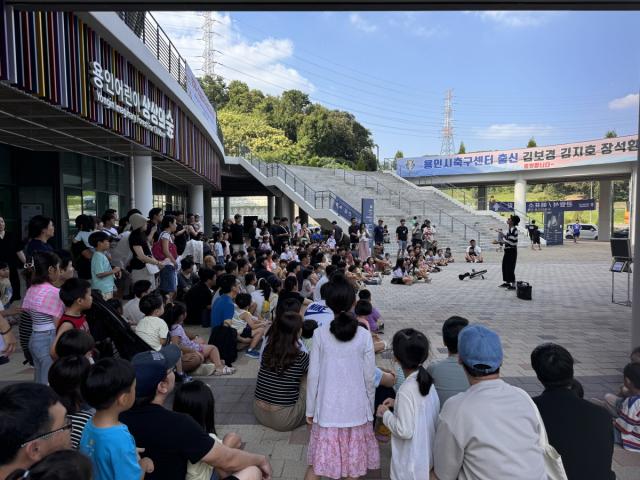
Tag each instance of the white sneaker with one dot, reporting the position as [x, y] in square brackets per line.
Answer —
[204, 370]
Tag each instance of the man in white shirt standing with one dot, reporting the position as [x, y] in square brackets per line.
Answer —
[491, 431]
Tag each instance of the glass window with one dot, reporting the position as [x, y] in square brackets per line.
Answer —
[71, 174]
[88, 173]
[89, 206]
[101, 175]
[102, 202]
[114, 202]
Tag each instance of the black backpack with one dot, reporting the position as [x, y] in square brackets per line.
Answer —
[523, 290]
[226, 339]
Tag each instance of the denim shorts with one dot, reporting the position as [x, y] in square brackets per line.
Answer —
[168, 279]
[402, 244]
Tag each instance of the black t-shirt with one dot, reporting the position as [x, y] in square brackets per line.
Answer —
[353, 233]
[180, 240]
[237, 233]
[337, 233]
[402, 232]
[137, 238]
[80, 262]
[197, 300]
[170, 439]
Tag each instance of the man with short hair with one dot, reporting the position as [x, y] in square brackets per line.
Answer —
[337, 233]
[378, 233]
[579, 430]
[181, 235]
[354, 235]
[473, 254]
[172, 439]
[33, 424]
[237, 234]
[223, 307]
[448, 375]
[186, 277]
[402, 234]
[491, 431]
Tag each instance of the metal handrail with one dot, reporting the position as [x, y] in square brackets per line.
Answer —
[377, 185]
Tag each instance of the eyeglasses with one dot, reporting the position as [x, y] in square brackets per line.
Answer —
[67, 426]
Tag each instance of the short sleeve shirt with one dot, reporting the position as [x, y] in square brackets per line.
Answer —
[112, 452]
[152, 330]
[100, 264]
[402, 233]
[136, 239]
[170, 439]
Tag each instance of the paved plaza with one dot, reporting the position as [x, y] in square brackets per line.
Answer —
[571, 306]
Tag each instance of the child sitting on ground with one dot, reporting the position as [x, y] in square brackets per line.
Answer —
[376, 324]
[174, 315]
[448, 256]
[110, 389]
[627, 424]
[196, 400]
[250, 329]
[250, 282]
[362, 310]
[400, 275]
[309, 280]
[612, 402]
[75, 293]
[440, 259]
[131, 310]
[308, 327]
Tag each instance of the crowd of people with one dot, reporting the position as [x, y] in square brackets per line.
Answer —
[117, 399]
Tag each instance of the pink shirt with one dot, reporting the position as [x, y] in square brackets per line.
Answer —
[43, 300]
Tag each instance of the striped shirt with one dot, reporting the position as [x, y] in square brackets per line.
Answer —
[78, 421]
[511, 238]
[628, 423]
[43, 302]
[282, 389]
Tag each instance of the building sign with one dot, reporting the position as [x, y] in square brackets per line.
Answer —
[608, 150]
[135, 106]
[564, 205]
[345, 210]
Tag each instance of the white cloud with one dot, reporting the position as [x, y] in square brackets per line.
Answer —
[515, 19]
[414, 24]
[511, 130]
[628, 101]
[257, 63]
[359, 22]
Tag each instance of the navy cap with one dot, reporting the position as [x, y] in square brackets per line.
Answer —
[480, 348]
[151, 368]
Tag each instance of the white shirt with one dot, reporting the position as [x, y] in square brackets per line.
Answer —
[316, 293]
[477, 249]
[340, 389]
[319, 312]
[121, 253]
[152, 330]
[413, 431]
[489, 432]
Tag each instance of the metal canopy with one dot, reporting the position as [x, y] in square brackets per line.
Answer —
[322, 5]
[33, 124]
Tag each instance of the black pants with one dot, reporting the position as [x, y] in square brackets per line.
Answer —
[509, 265]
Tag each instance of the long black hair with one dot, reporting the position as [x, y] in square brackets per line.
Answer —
[196, 400]
[340, 298]
[411, 349]
[173, 312]
[283, 346]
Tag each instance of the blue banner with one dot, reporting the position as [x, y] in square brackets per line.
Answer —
[345, 210]
[564, 205]
[368, 217]
[553, 226]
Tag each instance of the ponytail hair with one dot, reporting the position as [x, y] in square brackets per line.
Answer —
[344, 326]
[411, 349]
[37, 270]
[341, 296]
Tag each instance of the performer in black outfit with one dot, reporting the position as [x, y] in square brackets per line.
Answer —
[510, 253]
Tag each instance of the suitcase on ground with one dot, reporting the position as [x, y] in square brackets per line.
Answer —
[523, 290]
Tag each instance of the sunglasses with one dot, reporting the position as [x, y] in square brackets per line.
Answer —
[67, 426]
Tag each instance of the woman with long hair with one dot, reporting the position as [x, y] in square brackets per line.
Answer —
[280, 398]
[341, 392]
[364, 251]
[139, 245]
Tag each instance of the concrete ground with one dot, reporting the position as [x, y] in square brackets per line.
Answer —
[571, 306]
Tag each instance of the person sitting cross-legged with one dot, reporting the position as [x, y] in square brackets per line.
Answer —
[473, 253]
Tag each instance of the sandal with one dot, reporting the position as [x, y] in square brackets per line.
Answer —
[225, 371]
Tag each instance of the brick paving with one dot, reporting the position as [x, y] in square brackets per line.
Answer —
[571, 306]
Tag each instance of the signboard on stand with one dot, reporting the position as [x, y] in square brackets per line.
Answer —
[368, 217]
[553, 226]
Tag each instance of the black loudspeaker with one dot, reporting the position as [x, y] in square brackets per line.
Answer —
[523, 291]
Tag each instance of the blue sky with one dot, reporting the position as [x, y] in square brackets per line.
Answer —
[557, 76]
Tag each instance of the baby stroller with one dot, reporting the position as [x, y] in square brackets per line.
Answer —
[112, 334]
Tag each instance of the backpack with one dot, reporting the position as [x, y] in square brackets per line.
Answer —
[226, 339]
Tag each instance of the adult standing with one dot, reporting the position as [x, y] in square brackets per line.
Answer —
[280, 397]
[237, 234]
[337, 233]
[354, 234]
[402, 233]
[282, 234]
[378, 233]
[490, 431]
[579, 430]
[510, 253]
[181, 235]
[139, 245]
[155, 217]
[11, 253]
[576, 231]
[40, 231]
[364, 251]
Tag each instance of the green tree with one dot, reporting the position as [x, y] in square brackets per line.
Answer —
[462, 149]
[398, 154]
[253, 131]
[611, 134]
[215, 89]
[288, 112]
[532, 143]
[242, 98]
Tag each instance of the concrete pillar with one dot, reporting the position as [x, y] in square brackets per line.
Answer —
[207, 220]
[635, 306]
[482, 197]
[288, 209]
[278, 205]
[633, 185]
[271, 207]
[196, 199]
[520, 197]
[143, 183]
[604, 211]
[226, 209]
[304, 216]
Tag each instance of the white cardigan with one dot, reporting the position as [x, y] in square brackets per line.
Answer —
[340, 389]
[413, 431]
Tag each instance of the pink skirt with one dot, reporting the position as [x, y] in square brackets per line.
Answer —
[343, 452]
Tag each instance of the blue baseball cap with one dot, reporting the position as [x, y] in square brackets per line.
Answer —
[151, 368]
[480, 348]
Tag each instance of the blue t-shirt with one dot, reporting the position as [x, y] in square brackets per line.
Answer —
[100, 264]
[222, 310]
[112, 452]
[576, 228]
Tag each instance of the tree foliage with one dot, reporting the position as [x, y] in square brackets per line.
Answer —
[611, 134]
[532, 143]
[288, 128]
[462, 149]
[399, 154]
